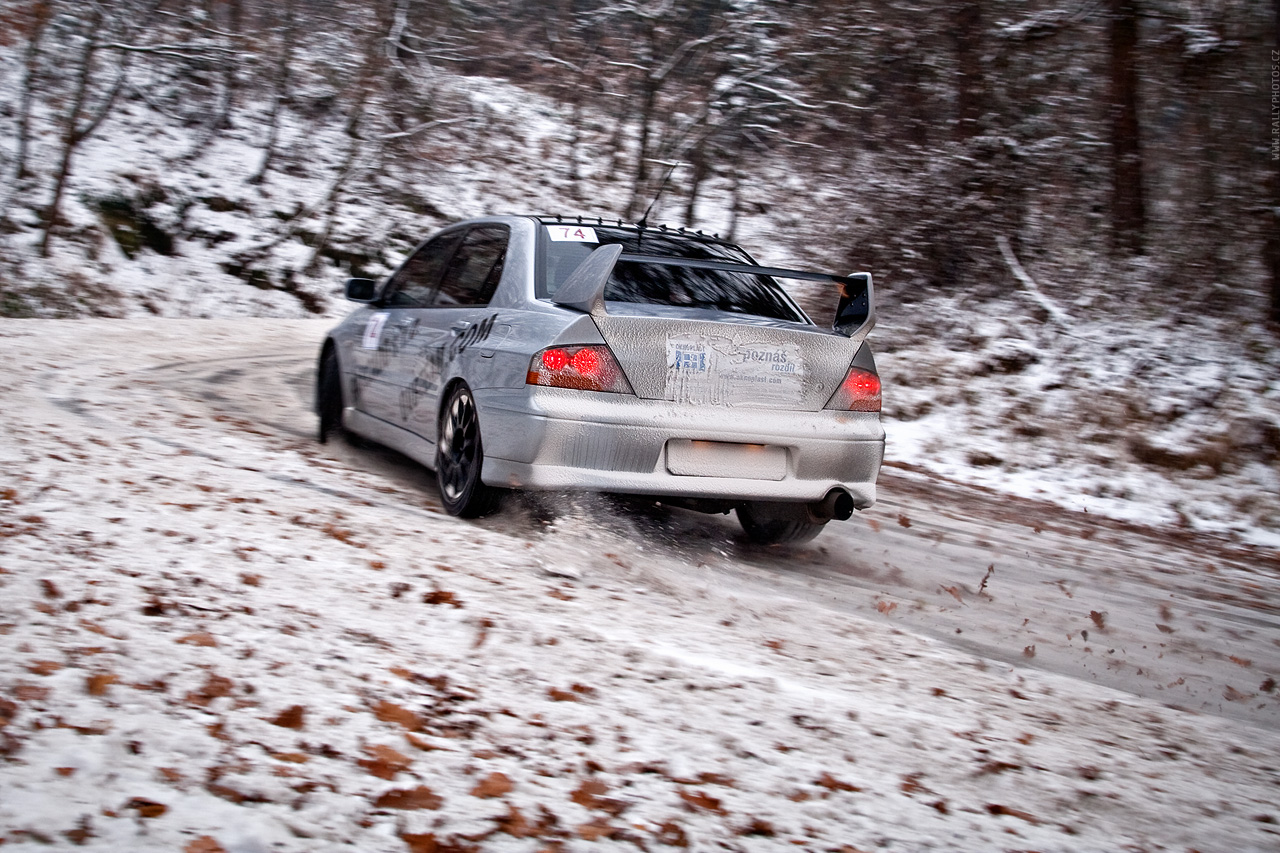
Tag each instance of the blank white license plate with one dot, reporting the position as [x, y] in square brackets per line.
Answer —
[688, 458]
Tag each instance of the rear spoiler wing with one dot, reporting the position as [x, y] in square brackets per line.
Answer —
[584, 289]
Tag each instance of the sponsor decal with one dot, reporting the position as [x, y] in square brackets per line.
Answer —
[718, 371]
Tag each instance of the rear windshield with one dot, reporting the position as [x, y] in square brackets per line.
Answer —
[738, 293]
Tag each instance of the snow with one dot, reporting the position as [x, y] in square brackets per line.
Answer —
[216, 634]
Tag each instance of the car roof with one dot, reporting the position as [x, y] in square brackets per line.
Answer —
[679, 233]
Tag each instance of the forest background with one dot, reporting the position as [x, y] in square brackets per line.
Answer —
[1072, 210]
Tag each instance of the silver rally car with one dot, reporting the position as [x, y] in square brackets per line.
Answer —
[516, 352]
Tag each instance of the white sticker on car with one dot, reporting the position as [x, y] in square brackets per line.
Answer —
[714, 370]
[572, 234]
[373, 330]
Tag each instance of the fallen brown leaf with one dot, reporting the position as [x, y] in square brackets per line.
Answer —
[420, 797]
[293, 717]
[440, 596]
[700, 801]
[831, 783]
[204, 844]
[991, 768]
[146, 808]
[1232, 695]
[757, 827]
[384, 762]
[98, 683]
[214, 687]
[671, 834]
[515, 824]
[389, 712]
[911, 784]
[590, 794]
[993, 808]
[597, 829]
[31, 692]
[199, 638]
[493, 785]
[428, 843]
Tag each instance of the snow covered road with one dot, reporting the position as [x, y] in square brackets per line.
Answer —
[217, 635]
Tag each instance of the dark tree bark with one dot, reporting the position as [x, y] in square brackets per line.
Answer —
[74, 133]
[1128, 207]
[282, 91]
[971, 86]
[41, 13]
[698, 160]
[230, 67]
[1273, 215]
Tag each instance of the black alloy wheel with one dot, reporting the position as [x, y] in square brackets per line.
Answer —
[460, 458]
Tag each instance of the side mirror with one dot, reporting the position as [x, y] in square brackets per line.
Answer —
[362, 290]
[854, 308]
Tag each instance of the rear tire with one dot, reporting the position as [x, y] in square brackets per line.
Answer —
[777, 523]
[460, 459]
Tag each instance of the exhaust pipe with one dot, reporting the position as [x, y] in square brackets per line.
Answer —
[837, 505]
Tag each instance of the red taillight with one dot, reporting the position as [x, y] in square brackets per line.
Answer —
[586, 362]
[555, 359]
[584, 368]
[859, 392]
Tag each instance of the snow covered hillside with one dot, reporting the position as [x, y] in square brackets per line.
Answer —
[219, 635]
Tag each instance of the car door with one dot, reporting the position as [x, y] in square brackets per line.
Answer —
[455, 327]
[391, 333]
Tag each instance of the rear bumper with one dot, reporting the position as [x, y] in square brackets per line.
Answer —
[551, 439]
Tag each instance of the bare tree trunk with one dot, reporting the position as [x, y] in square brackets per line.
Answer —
[575, 145]
[647, 105]
[1272, 250]
[230, 83]
[30, 63]
[698, 158]
[1128, 210]
[734, 203]
[282, 92]
[73, 134]
[971, 86]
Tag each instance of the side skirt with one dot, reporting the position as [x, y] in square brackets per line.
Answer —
[387, 434]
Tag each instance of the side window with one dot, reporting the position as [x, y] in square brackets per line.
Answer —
[476, 268]
[413, 284]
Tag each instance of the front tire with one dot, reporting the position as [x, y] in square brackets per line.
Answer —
[778, 523]
[460, 459]
[329, 397]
